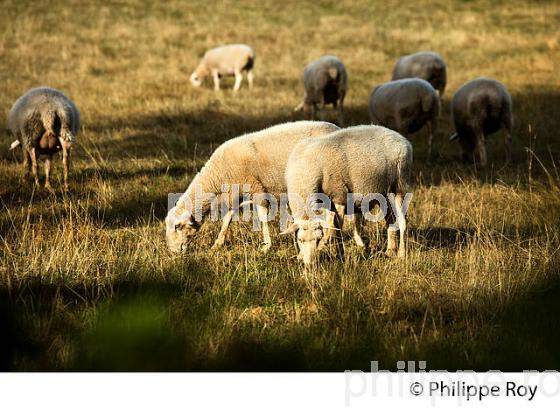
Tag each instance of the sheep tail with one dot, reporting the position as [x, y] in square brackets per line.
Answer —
[333, 73]
[48, 118]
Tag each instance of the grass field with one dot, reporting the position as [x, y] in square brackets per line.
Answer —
[86, 282]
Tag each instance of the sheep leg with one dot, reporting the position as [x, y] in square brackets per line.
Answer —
[481, 147]
[321, 111]
[338, 223]
[262, 213]
[216, 78]
[391, 233]
[26, 164]
[430, 139]
[238, 79]
[33, 156]
[307, 111]
[250, 79]
[341, 112]
[328, 230]
[223, 231]
[48, 172]
[508, 142]
[311, 112]
[401, 221]
[361, 240]
[65, 163]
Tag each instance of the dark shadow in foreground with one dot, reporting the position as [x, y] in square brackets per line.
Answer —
[162, 326]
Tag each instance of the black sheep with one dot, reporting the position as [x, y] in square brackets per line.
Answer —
[325, 81]
[481, 107]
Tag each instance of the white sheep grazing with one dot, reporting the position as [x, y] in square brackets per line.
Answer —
[44, 121]
[231, 59]
[258, 160]
[364, 160]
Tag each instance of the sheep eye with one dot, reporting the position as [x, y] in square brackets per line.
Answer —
[178, 227]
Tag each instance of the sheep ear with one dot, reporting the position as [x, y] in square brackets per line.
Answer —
[290, 229]
[454, 137]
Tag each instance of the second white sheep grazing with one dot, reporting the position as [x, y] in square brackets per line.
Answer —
[256, 160]
[231, 59]
[406, 106]
[362, 160]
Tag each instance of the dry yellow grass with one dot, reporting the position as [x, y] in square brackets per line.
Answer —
[86, 282]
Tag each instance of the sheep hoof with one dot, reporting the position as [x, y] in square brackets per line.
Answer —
[265, 248]
[390, 253]
[361, 242]
[217, 245]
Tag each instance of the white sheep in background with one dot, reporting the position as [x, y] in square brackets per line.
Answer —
[257, 159]
[357, 160]
[231, 59]
[325, 81]
[406, 106]
[44, 121]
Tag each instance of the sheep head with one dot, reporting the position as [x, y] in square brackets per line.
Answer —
[467, 143]
[179, 225]
[196, 81]
[308, 234]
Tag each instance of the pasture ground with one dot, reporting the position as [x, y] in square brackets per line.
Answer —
[86, 282]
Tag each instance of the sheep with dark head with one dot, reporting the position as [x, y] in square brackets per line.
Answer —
[426, 65]
[405, 106]
[325, 81]
[44, 121]
[481, 107]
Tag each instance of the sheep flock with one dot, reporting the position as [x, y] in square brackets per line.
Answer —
[326, 173]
